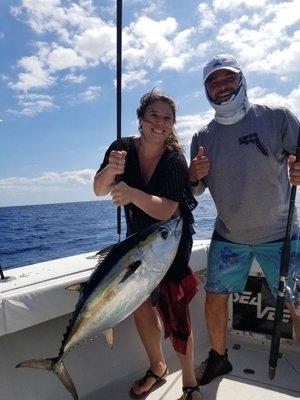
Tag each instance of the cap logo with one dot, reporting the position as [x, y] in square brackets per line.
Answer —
[217, 63]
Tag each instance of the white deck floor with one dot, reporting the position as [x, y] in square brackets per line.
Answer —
[99, 373]
[235, 386]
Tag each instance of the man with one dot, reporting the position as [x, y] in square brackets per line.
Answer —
[242, 157]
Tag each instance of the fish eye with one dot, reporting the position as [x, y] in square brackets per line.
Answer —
[164, 233]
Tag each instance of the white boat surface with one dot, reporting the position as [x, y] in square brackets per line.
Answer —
[35, 309]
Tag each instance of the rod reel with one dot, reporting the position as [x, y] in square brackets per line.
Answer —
[294, 294]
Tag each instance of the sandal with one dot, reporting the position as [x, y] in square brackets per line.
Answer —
[159, 380]
[188, 391]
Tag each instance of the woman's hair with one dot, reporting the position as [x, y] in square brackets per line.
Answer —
[150, 98]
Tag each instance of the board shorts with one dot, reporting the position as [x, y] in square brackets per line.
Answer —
[229, 264]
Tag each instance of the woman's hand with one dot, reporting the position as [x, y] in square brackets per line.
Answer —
[116, 162]
[121, 193]
[106, 177]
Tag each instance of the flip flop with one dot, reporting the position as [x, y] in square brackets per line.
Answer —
[188, 392]
[159, 380]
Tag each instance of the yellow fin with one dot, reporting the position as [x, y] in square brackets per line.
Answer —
[109, 334]
[77, 287]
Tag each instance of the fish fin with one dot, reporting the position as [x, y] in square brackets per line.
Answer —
[57, 367]
[38, 363]
[131, 270]
[77, 287]
[109, 334]
[103, 253]
[65, 378]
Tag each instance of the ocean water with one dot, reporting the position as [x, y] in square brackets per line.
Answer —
[31, 234]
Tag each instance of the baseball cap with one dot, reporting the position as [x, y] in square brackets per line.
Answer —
[221, 61]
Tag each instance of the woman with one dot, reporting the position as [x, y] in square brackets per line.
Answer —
[154, 186]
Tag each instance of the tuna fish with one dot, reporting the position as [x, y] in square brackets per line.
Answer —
[135, 265]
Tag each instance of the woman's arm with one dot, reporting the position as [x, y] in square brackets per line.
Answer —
[104, 178]
[156, 206]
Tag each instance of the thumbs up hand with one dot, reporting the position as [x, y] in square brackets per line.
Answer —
[294, 167]
[199, 166]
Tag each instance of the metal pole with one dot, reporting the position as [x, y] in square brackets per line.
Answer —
[119, 97]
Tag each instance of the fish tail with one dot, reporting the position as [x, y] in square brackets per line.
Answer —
[57, 367]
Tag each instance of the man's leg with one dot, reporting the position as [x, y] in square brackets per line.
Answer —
[149, 329]
[216, 311]
[228, 268]
[217, 364]
[295, 319]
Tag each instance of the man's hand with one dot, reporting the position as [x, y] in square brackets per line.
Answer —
[294, 170]
[121, 193]
[199, 166]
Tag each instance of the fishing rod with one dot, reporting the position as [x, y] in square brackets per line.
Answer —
[119, 97]
[283, 272]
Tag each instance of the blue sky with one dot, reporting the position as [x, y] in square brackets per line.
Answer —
[57, 95]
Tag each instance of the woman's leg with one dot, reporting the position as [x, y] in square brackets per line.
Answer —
[149, 328]
[187, 367]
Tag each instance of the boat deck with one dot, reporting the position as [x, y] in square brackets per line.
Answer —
[100, 373]
[237, 385]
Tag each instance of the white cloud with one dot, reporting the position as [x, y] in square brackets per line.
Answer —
[97, 44]
[75, 78]
[263, 96]
[48, 179]
[181, 51]
[91, 93]
[62, 58]
[4, 77]
[50, 16]
[152, 43]
[133, 78]
[83, 40]
[281, 62]
[35, 75]
[173, 62]
[187, 125]
[150, 29]
[151, 38]
[286, 13]
[233, 4]
[258, 33]
[207, 18]
[262, 38]
[33, 104]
